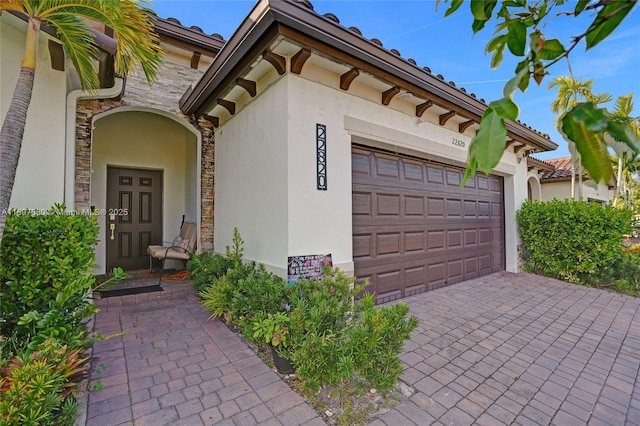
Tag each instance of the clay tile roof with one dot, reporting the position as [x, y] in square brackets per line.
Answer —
[562, 169]
[335, 19]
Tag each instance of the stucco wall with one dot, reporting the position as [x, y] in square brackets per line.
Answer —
[251, 179]
[562, 190]
[40, 176]
[317, 222]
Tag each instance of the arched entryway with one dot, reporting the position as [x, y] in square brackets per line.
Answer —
[533, 189]
[149, 162]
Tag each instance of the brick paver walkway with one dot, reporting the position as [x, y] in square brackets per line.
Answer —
[503, 349]
[175, 367]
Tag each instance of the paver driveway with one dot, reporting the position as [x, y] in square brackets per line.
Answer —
[522, 349]
[502, 349]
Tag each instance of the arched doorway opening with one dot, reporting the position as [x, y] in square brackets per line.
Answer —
[145, 168]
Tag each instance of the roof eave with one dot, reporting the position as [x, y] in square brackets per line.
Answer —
[313, 25]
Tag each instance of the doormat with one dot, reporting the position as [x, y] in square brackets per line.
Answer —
[130, 290]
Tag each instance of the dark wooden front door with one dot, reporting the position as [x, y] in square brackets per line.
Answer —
[133, 216]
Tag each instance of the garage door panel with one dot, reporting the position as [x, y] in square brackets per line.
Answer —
[413, 206]
[470, 267]
[453, 178]
[435, 206]
[387, 244]
[362, 205]
[435, 240]
[470, 237]
[454, 270]
[363, 247]
[454, 238]
[387, 168]
[413, 172]
[454, 208]
[424, 231]
[360, 163]
[414, 242]
[470, 208]
[388, 205]
[435, 174]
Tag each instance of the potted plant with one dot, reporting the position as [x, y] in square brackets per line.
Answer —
[273, 330]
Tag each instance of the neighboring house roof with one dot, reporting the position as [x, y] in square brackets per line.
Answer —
[272, 21]
[561, 169]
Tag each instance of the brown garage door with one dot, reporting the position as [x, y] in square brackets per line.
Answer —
[415, 229]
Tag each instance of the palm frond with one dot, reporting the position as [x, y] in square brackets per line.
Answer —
[13, 5]
[136, 41]
[78, 42]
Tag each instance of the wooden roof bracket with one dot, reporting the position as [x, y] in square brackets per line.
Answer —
[248, 85]
[195, 60]
[387, 95]
[347, 78]
[278, 62]
[520, 148]
[510, 143]
[420, 109]
[298, 60]
[445, 117]
[464, 125]
[230, 106]
[213, 120]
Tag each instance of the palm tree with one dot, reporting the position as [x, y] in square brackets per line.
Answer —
[571, 92]
[136, 43]
[628, 164]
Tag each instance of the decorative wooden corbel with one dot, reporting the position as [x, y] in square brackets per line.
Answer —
[278, 62]
[347, 78]
[387, 95]
[298, 60]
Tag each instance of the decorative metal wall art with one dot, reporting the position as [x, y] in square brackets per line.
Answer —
[321, 156]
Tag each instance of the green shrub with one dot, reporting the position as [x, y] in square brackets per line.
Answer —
[571, 240]
[245, 290]
[46, 275]
[217, 297]
[314, 323]
[36, 388]
[376, 340]
[205, 267]
[623, 275]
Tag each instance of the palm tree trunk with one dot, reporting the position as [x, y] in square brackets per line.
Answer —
[618, 182]
[11, 140]
[15, 121]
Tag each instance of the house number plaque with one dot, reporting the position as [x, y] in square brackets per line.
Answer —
[321, 156]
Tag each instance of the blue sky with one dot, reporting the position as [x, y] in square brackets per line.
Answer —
[448, 47]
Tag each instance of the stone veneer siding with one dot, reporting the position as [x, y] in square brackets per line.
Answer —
[173, 81]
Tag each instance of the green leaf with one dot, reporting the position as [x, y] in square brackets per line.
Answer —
[487, 146]
[580, 6]
[498, 55]
[551, 49]
[496, 42]
[516, 82]
[477, 25]
[505, 108]
[607, 20]
[478, 11]
[523, 67]
[455, 4]
[624, 134]
[590, 144]
[594, 119]
[517, 37]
